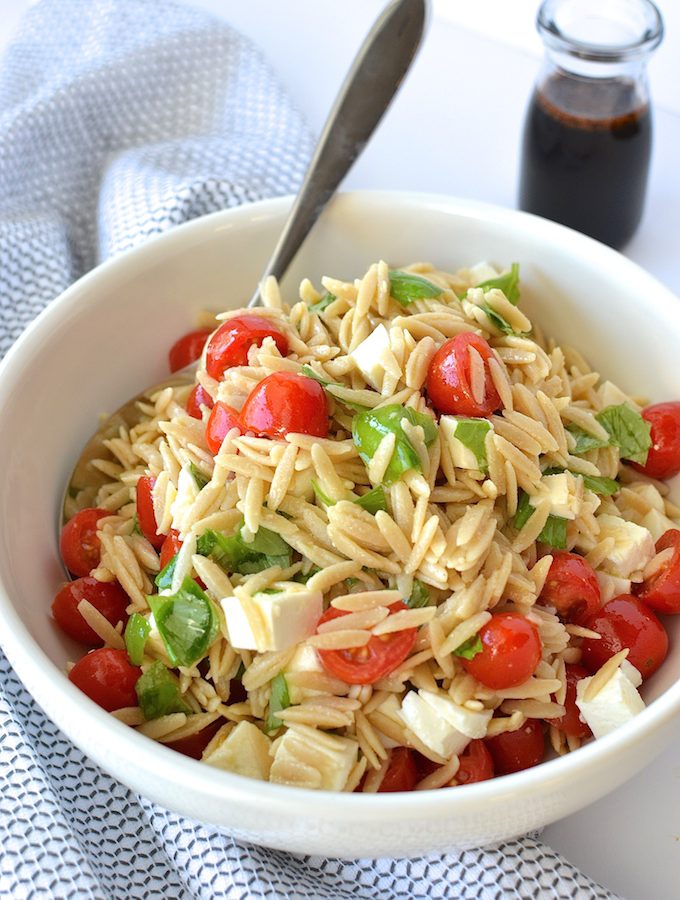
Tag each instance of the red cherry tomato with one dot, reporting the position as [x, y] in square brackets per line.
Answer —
[476, 764]
[220, 422]
[511, 651]
[661, 590]
[107, 597]
[188, 349]
[170, 549]
[401, 774]
[197, 398]
[448, 378]
[107, 677]
[146, 516]
[376, 659]
[231, 342]
[571, 587]
[283, 403]
[195, 744]
[79, 544]
[663, 459]
[571, 722]
[626, 622]
[513, 751]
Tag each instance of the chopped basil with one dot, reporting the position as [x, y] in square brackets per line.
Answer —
[135, 525]
[420, 596]
[320, 495]
[628, 430]
[472, 434]
[233, 554]
[164, 578]
[469, 648]
[278, 700]
[371, 426]
[240, 672]
[198, 476]
[508, 283]
[321, 304]
[137, 631]
[373, 501]
[303, 578]
[187, 622]
[497, 319]
[554, 531]
[584, 440]
[309, 372]
[158, 692]
[406, 287]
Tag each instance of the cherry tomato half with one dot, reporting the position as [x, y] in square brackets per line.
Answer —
[449, 382]
[661, 590]
[107, 677]
[195, 744]
[146, 516]
[79, 544]
[513, 751]
[187, 349]
[663, 459]
[571, 587]
[511, 651]
[221, 420]
[476, 764]
[197, 398]
[626, 622]
[171, 547]
[108, 598]
[231, 342]
[376, 659]
[571, 722]
[401, 774]
[285, 403]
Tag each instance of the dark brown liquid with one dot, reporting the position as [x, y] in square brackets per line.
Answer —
[586, 156]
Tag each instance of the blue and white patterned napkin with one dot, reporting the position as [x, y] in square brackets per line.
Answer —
[119, 119]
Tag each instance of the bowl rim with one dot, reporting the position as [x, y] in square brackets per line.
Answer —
[64, 701]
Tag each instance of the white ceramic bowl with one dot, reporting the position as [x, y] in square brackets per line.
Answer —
[107, 337]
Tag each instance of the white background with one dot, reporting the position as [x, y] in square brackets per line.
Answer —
[455, 129]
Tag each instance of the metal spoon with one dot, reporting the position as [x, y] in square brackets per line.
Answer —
[373, 80]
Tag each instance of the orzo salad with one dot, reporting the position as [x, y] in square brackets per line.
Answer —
[390, 538]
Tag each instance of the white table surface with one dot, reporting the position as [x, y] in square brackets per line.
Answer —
[455, 129]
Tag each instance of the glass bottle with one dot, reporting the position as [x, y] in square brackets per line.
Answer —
[588, 130]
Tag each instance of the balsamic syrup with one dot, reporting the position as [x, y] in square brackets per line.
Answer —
[586, 156]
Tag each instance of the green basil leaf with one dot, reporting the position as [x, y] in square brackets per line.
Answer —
[135, 525]
[187, 622]
[137, 631]
[628, 430]
[278, 700]
[524, 511]
[320, 495]
[601, 485]
[309, 372]
[555, 529]
[321, 304]
[406, 287]
[302, 578]
[508, 283]
[369, 428]
[158, 692]
[233, 554]
[198, 476]
[472, 434]
[497, 319]
[373, 501]
[469, 648]
[240, 672]
[584, 440]
[420, 595]
[163, 580]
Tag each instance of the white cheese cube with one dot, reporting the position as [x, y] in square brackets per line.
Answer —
[187, 492]
[305, 659]
[306, 757]
[266, 622]
[483, 271]
[614, 705]
[470, 453]
[244, 751]
[565, 493]
[657, 523]
[370, 354]
[427, 723]
[611, 586]
[611, 395]
[472, 723]
[633, 545]
[631, 673]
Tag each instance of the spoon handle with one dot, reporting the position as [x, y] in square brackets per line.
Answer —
[375, 76]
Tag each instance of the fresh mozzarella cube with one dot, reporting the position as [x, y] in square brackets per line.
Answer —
[631, 673]
[565, 493]
[657, 523]
[633, 545]
[611, 586]
[611, 395]
[266, 622]
[391, 709]
[465, 439]
[245, 751]
[370, 354]
[472, 723]
[305, 659]
[428, 725]
[614, 705]
[187, 491]
[483, 271]
[309, 758]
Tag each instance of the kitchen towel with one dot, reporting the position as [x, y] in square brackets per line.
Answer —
[118, 120]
